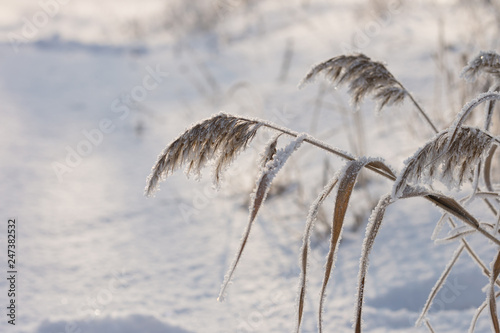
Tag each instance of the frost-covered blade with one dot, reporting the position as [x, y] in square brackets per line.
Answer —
[347, 179]
[311, 218]
[492, 302]
[371, 233]
[267, 175]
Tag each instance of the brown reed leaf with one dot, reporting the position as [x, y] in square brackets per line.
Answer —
[219, 138]
[451, 206]
[364, 77]
[347, 180]
[452, 162]
[485, 62]
[344, 191]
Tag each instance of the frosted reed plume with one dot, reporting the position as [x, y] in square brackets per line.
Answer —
[454, 156]
[364, 77]
[452, 162]
[219, 138]
[487, 62]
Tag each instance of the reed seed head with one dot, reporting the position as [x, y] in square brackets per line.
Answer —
[363, 76]
[219, 138]
[487, 62]
[452, 162]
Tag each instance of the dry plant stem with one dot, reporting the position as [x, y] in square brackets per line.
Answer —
[478, 313]
[272, 163]
[469, 107]
[322, 145]
[473, 254]
[454, 208]
[455, 155]
[442, 203]
[489, 109]
[440, 283]
[429, 326]
[422, 112]
[491, 295]
[236, 133]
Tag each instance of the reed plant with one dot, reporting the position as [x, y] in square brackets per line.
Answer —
[456, 155]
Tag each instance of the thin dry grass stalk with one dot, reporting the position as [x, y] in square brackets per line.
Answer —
[429, 326]
[492, 302]
[487, 63]
[440, 282]
[469, 107]
[449, 157]
[478, 312]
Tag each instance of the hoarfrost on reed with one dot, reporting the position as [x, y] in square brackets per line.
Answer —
[218, 138]
[486, 61]
[364, 77]
[453, 156]
[452, 162]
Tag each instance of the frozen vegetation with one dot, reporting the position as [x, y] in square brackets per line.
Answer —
[92, 92]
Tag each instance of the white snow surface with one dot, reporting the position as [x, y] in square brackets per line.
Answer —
[92, 91]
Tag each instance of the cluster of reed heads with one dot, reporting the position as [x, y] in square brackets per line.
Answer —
[455, 156]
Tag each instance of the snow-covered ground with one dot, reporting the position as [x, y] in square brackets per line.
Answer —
[92, 91]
